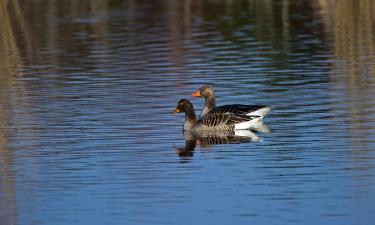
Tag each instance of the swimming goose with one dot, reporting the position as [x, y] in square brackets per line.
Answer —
[208, 93]
[214, 121]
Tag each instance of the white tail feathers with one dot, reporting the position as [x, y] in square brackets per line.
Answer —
[260, 112]
[248, 124]
[261, 127]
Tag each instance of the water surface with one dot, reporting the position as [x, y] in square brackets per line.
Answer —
[86, 94]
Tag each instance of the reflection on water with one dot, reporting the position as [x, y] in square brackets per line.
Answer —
[86, 90]
[206, 139]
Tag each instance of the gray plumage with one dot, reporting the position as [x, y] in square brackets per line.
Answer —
[222, 121]
[211, 121]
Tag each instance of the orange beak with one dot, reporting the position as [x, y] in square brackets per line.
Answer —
[196, 94]
[177, 110]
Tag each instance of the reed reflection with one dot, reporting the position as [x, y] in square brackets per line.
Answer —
[207, 139]
[352, 73]
[7, 178]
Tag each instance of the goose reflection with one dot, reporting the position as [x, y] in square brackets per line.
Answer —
[206, 139]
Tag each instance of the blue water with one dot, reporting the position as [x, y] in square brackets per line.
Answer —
[87, 134]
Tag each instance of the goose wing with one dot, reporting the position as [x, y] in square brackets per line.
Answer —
[223, 119]
[237, 109]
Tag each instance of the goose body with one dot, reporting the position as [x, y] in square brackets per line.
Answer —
[210, 105]
[214, 121]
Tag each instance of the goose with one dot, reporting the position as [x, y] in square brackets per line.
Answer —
[208, 93]
[214, 121]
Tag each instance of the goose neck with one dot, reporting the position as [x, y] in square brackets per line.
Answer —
[190, 118]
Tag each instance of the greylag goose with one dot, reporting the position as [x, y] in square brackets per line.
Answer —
[208, 93]
[214, 121]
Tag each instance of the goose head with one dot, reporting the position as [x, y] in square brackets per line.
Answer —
[184, 105]
[204, 92]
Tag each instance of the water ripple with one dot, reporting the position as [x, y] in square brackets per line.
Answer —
[87, 135]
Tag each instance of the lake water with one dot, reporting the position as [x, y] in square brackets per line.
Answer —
[87, 90]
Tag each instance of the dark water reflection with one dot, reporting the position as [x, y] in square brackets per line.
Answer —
[87, 87]
[207, 139]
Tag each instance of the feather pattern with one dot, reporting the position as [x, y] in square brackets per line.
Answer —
[213, 121]
[236, 109]
[222, 119]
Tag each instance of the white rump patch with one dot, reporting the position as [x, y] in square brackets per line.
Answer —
[261, 127]
[260, 112]
[247, 125]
